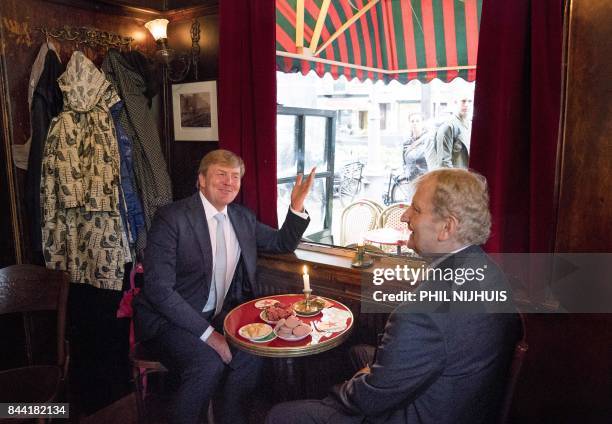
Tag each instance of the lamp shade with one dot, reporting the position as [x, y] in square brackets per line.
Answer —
[157, 28]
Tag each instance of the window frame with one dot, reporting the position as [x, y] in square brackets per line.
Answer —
[329, 149]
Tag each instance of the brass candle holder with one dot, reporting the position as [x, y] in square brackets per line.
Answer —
[307, 293]
[361, 259]
[310, 306]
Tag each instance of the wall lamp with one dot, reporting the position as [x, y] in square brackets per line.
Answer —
[169, 57]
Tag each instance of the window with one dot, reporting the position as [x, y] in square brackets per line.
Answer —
[363, 120]
[385, 108]
[355, 133]
[305, 138]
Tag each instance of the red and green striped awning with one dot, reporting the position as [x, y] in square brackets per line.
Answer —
[379, 39]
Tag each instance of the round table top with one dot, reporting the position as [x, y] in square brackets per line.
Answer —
[316, 342]
[389, 236]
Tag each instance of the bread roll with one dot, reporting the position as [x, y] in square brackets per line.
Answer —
[301, 330]
[292, 322]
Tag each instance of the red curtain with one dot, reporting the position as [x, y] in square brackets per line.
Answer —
[247, 98]
[516, 119]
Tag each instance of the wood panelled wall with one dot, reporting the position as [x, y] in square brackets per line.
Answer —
[184, 156]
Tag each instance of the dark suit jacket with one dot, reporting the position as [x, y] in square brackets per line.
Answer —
[437, 367]
[178, 264]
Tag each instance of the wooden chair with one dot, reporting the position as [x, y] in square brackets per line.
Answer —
[144, 363]
[520, 351]
[30, 290]
[373, 203]
[356, 219]
[390, 218]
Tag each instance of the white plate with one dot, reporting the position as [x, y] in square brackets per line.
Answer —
[331, 327]
[266, 339]
[243, 332]
[264, 303]
[292, 338]
[264, 317]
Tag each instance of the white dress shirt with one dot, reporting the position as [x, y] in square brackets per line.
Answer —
[231, 244]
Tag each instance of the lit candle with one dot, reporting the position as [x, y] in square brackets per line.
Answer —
[306, 279]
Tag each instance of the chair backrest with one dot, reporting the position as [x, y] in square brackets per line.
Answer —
[27, 289]
[520, 351]
[356, 219]
[373, 203]
[390, 217]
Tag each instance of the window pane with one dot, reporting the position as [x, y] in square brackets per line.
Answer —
[286, 144]
[283, 192]
[315, 204]
[315, 143]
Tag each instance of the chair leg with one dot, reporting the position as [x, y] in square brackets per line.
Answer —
[140, 406]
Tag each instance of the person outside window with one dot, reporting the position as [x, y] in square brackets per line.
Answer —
[448, 148]
[413, 151]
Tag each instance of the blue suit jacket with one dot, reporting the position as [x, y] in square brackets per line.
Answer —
[438, 368]
[178, 264]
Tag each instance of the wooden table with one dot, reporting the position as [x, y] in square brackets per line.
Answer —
[285, 351]
[278, 348]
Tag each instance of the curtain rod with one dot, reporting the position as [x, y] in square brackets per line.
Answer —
[370, 69]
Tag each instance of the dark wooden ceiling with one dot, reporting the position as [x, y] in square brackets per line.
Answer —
[145, 9]
[160, 5]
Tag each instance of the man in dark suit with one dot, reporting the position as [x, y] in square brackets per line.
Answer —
[435, 366]
[199, 263]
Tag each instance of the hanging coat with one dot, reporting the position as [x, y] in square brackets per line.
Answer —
[137, 120]
[82, 229]
[46, 104]
[132, 212]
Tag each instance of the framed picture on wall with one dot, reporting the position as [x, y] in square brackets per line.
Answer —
[194, 107]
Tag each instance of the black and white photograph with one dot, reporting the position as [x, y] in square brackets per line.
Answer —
[195, 111]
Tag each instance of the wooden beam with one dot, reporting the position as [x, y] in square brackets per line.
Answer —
[319, 26]
[299, 26]
[347, 24]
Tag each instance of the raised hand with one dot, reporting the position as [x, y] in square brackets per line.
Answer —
[300, 190]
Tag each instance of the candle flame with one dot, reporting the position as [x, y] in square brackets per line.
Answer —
[305, 270]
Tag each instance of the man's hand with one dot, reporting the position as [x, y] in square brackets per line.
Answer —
[300, 191]
[218, 342]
